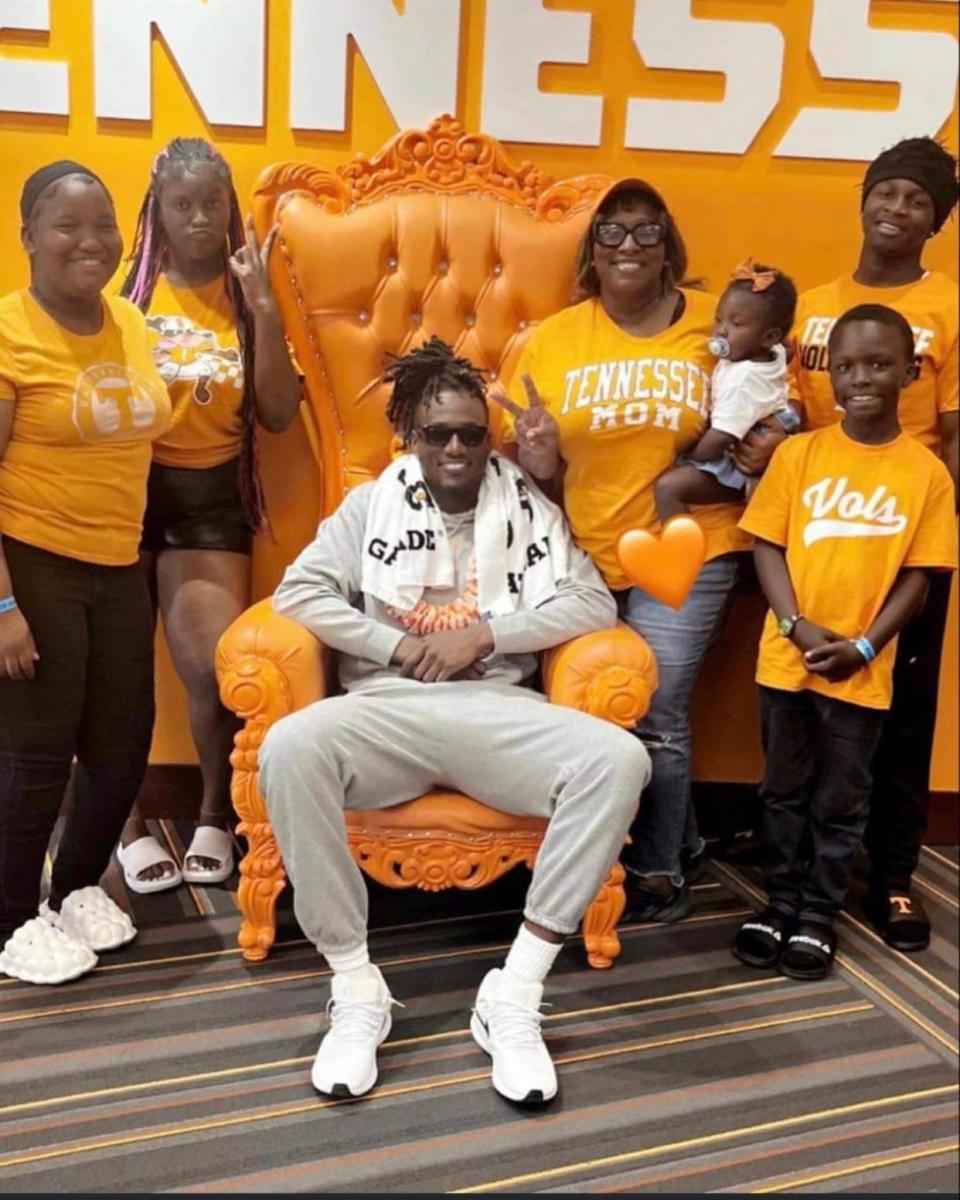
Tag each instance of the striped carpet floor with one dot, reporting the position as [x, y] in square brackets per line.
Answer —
[175, 1066]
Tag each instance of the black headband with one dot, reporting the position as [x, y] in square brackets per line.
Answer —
[40, 180]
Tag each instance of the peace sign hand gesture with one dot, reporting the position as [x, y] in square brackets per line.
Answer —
[249, 265]
[538, 435]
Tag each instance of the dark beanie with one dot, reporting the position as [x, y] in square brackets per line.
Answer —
[927, 164]
[40, 180]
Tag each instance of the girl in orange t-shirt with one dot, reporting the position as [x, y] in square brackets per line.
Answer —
[617, 387]
[80, 403]
[219, 344]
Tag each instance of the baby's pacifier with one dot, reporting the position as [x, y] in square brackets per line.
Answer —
[719, 347]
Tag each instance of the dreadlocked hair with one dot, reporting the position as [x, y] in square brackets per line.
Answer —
[148, 259]
[420, 376]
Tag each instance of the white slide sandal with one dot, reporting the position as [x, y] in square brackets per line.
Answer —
[209, 842]
[147, 852]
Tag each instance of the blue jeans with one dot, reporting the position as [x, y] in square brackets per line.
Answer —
[666, 822]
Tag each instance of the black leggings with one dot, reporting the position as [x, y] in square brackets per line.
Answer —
[92, 698]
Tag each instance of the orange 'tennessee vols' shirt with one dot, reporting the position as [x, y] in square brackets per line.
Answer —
[626, 407]
[850, 516]
[931, 308]
[195, 344]
[73, 478]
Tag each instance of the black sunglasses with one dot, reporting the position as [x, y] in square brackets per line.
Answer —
[612, 234]
[468, 435]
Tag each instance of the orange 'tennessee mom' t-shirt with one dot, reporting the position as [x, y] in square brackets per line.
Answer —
[626, 407]
[931, 308]
[851, 517]
[73, 478]
[193, 332]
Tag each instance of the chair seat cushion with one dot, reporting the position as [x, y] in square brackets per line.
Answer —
[442, 812]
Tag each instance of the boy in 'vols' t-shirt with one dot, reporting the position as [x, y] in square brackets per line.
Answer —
[849, 521]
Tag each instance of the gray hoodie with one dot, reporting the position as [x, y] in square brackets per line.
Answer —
[321, 591]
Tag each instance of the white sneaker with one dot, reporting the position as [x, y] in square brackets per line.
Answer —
[359, 1014]
[506, 1025]
[89, 915]
[39, 953]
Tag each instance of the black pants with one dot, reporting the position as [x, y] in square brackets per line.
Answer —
[815, 796]
[901, 768]
[92, 698]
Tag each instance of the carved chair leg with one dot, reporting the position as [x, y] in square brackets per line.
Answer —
[262, 879]
[600, 921]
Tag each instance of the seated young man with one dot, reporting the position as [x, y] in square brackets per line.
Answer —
[437, 585]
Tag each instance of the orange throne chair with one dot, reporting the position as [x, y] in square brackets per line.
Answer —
[439, 233]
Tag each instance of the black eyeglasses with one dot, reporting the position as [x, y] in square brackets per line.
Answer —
[469, 435]
[612, 234]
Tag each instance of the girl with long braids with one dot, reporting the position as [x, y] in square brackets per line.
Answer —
[219, 345]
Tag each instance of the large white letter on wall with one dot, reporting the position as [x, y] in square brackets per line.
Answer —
[845, 47]
[749, 54]
[219, 46]
[520, 36]
[25, 86]
[412, 57]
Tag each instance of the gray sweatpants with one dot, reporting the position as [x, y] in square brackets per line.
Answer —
[394, 739]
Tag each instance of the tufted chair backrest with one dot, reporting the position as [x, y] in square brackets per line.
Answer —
[437, 234]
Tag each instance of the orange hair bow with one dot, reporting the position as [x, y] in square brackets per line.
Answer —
[760, 280]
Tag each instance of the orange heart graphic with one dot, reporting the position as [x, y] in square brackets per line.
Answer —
[666, 567]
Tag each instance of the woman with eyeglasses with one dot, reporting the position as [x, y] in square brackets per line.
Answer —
[616, 387]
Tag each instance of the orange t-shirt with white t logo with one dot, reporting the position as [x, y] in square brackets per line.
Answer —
[86, 409]
[931, 309]
[850, 516]
[626, 407]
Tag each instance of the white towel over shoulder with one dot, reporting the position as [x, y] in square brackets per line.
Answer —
[521, 540]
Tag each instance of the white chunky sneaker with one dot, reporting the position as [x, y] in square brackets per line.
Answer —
[39, 953]
[89, 915]
[506, 1025]
[359, 1014]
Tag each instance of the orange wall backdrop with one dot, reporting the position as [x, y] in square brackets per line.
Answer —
[799, 213]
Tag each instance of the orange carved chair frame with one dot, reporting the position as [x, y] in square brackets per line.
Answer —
[439, 233]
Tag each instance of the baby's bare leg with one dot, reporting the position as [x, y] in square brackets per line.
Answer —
[681, 486]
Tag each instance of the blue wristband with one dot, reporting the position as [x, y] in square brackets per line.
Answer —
[8, 605]
[865, 646]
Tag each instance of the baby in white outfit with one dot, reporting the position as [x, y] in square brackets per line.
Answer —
[749, 384]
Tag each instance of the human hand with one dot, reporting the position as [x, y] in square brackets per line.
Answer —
[756, 449]
[449, 654]
[18, 652]
[837, 659]
[537, 432]
[250, 266]
[807, 636]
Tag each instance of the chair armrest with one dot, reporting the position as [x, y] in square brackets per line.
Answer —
[610, 674]
[268, 665]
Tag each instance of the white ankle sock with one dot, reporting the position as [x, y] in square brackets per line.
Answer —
[530, 957]
[350, 962]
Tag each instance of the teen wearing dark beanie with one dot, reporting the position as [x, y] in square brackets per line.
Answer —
[907, 194]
